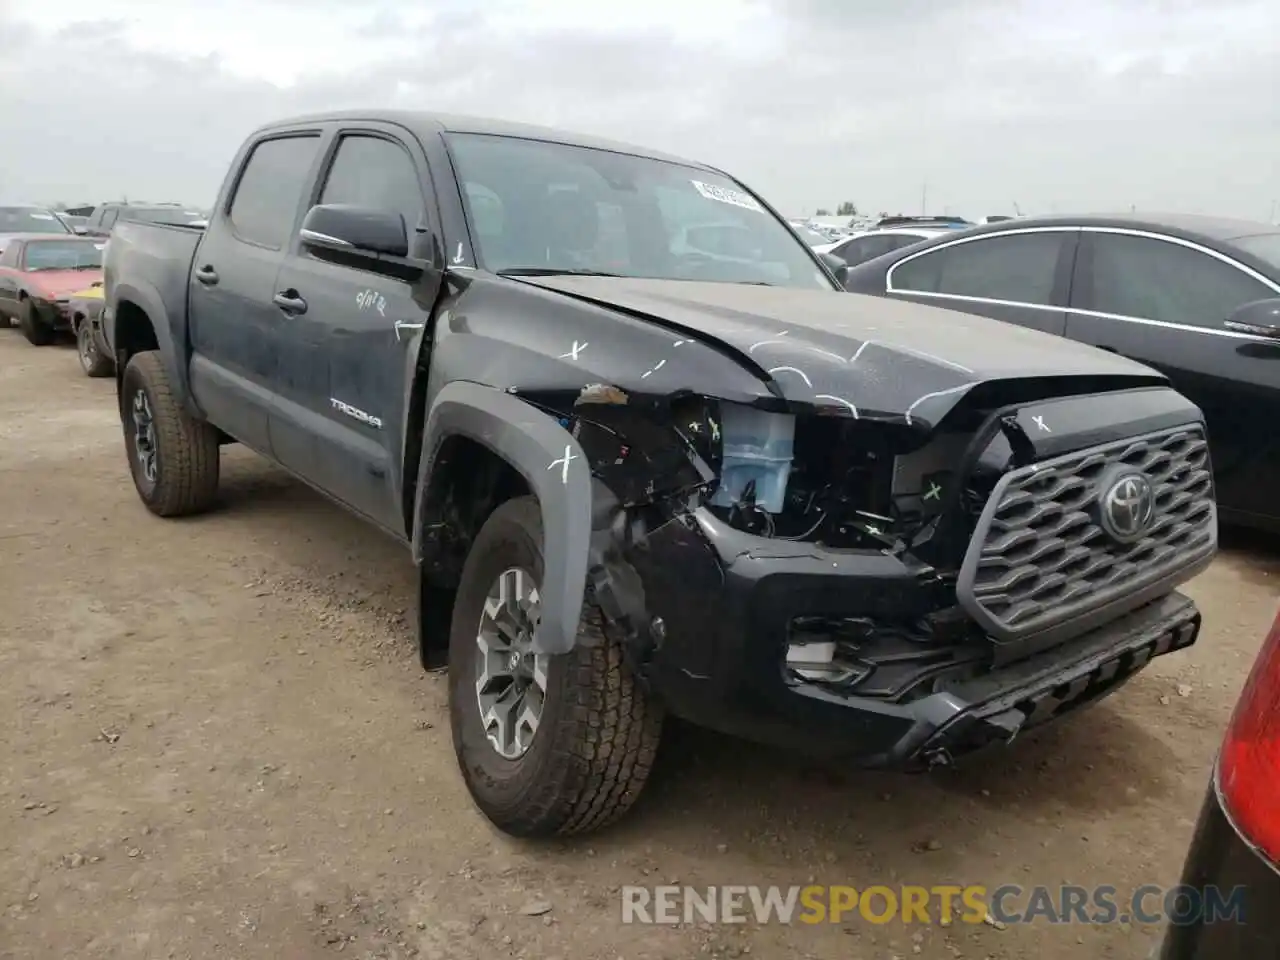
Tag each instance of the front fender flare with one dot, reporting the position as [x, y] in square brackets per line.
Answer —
[554, 466]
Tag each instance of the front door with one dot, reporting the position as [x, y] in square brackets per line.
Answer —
[1163, 302]
[1020, 277]
[234, 325]
[340, 419]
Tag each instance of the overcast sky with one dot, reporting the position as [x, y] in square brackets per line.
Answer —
[1092, 105]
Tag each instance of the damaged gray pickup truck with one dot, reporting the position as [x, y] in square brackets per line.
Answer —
[652, 460]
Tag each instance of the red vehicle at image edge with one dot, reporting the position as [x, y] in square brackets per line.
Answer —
[640, 479]
[39, 272]
[1237, 838]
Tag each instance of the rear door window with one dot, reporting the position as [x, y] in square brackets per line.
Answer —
[1153, 279]
[265, 204]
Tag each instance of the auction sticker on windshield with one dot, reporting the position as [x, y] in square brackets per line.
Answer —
[725, 195]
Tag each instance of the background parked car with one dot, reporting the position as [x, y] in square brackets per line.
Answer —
[25, 218]
[86, 323]
[876, 243]
[38, 274]
[105, 215]
[1237, 839]
[1195, 297]
[74, 223]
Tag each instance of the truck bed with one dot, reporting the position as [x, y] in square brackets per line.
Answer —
[156, 260]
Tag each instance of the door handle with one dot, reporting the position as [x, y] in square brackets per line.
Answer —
[290, 303]
[207, 275]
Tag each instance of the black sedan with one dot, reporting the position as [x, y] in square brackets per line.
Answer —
[1230, 900]
[1195, 297]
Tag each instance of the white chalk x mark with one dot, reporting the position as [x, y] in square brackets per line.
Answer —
[563, 464]
[803, 376]
[840, 400]
[576, 349]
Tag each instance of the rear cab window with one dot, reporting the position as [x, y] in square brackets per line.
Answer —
[264, 206]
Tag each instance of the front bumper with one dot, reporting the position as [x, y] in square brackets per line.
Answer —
[726, 601]
[54, 313]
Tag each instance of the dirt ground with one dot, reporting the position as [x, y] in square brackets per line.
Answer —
[215, 741]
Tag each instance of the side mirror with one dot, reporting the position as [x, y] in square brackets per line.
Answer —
[837, 266]
[1261, 318]
[348, 228]
[79, 230]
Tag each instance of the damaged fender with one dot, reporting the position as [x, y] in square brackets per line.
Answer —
[556, 469]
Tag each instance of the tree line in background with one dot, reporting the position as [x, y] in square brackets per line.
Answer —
[847, 208]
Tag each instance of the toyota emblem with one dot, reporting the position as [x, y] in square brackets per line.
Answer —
[1127, 507]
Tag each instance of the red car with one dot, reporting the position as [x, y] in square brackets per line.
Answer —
[38, 274]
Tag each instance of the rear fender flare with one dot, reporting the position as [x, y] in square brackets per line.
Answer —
[556, 470]
[149, 301]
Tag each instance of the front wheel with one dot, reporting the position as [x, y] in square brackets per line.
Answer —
[548, 745]
[92, 360]
[174, 458]
[37, 332]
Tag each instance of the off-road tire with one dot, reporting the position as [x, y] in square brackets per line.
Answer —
[599, 731]
[187, 452]
[92, 361]
[37, 332]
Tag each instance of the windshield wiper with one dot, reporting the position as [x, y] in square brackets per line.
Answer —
[553, 272]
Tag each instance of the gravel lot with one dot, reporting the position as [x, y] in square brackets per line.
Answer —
[217, 742]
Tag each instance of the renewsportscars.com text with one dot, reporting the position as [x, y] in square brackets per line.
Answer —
[944, 904]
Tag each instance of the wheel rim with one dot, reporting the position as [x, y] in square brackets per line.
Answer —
[144, 436]
[511, 680]
[88, 353]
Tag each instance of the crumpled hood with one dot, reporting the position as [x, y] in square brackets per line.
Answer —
[62, 283]
[867, 357]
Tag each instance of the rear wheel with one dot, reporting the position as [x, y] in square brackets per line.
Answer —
[37, 332]
[92, 360]
[173, 457]
[5, 321]
[548, 745]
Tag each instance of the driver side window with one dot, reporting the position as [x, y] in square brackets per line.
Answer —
[373, 172]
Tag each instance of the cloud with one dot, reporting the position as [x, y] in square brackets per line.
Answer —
[979, 105]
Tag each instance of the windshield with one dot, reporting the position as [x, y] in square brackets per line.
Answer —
[536, 207]
[30, 220]
[1264, 246]
[64, 255]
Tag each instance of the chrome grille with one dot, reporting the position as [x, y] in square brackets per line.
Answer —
[1040, 558]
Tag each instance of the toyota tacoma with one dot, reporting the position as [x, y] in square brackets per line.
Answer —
[641, 479]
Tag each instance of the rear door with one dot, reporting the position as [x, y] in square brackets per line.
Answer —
[234, 326]
[1019, 276]
[340, 421]
[1163, 300]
